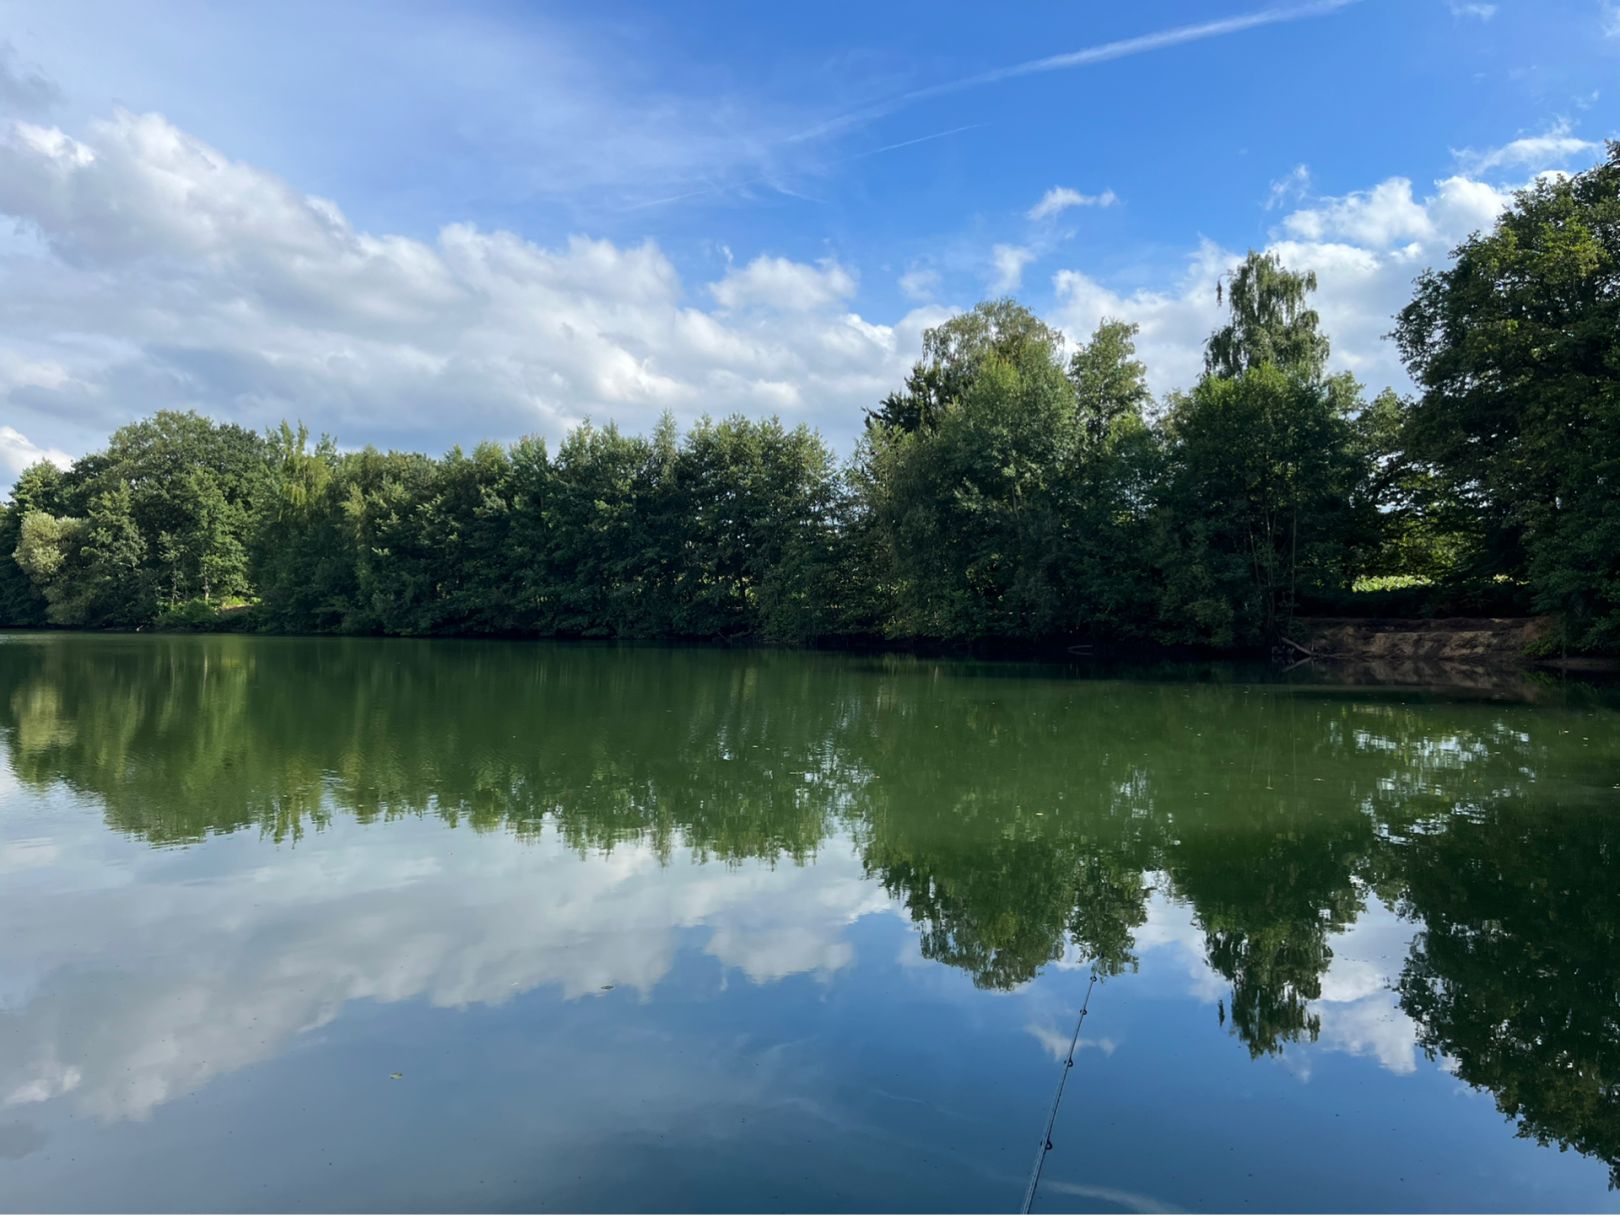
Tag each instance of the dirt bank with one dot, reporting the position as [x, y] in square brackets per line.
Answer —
[1487, 641]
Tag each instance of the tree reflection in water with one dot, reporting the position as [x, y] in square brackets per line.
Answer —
[1019, 817]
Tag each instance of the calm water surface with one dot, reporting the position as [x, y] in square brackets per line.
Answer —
[291, 924]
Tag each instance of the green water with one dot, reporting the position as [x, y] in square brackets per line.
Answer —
[326, 924]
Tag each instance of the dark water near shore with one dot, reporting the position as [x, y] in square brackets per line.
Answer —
[327, 924]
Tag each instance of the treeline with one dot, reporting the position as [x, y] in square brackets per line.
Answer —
[1011, 489]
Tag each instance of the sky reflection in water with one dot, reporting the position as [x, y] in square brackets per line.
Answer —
[701, 929]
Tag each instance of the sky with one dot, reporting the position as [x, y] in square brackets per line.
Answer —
[418, 225]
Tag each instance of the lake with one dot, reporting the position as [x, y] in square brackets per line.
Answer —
[298, 924]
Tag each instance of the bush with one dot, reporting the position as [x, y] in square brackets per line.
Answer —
[191, 616]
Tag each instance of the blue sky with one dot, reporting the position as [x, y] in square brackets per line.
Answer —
[418, 225]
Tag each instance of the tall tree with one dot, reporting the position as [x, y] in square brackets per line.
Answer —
[1261, 501]
[971, 506]
[48, 548]
[114, 566]
[1516, 348]
[1264, 495]
[1106, 576]
[303, 558]
[91, 570]
[953, 354]
[38, 489]
[598, 562]
[194, 486]
[1270, 321]
[1110, 383]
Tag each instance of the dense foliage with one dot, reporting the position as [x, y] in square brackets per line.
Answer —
[1011, 489]
[1516, 348]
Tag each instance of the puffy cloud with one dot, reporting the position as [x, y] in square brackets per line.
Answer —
[1366, 247]
[1373, 1027]
[784, 286]
[1055, 1042]
[1609, 16]
[1479, 12]
[1357, 1006]
[1174, 323]
[1380, 216]
[148, 269]
[17, 452]
[1554, 146]
[1060, 198]
[356, 914]
[1359, 1011]
[159, 272]
[1009, 262]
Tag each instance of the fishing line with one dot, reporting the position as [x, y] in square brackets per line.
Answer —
[1057, 1099]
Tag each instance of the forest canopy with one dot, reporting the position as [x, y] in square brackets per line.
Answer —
[1013, 489]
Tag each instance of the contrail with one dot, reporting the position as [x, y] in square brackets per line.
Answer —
[906, 143]
[1141, 44]
[1084, 57]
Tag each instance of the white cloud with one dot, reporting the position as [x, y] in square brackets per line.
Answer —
[1609, 15]
[152, 270]
[160, 272]
[1365, 247]
[919, 284]
[1174, 323]
[1171, 930]
[1055, 1042]
[1009, 262]
[353, 914]
[1358, 1006]
[17, 452]
[1479, 12]
[1381, 216]
[1554, 146]
[1290, 187]
[1372, 1027]
[784, 286]
[1060, 198]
